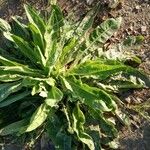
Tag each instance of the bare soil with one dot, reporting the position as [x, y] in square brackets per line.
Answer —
[136, 16]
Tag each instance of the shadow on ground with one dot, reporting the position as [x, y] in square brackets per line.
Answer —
[136, 140]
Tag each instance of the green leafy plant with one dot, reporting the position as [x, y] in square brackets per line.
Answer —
[53, 77]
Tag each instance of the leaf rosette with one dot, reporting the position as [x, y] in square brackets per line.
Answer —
[53, 66]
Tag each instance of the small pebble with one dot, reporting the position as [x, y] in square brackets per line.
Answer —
[143, 28]
[137, 7]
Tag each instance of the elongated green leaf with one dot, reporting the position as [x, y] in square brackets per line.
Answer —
[8, 88]
[96, 68]
[53, 31]
[106, 30]
[66, 84]
[94, 132]
[92, 96]
[87, 21]
[53, 97]
[37, 36]
[30, 81]
[18, 70]
[78, 127]
[8, 62]
[14, 98]
[81, 30]
[59, 16]
[9, 78]
[48, 35]
[69, 47]
[40, 56]
[101, 70]
[25, 48]
[48, 42]
[103, 32]
[56, 132]
[127, 84]
[14, 127]
[20, 29]
[107, 127]
[4, 26]
[56, 19]
[38, 117]
[53, 56]
[34, 18]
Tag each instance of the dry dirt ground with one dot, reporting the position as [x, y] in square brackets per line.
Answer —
[136, 16]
